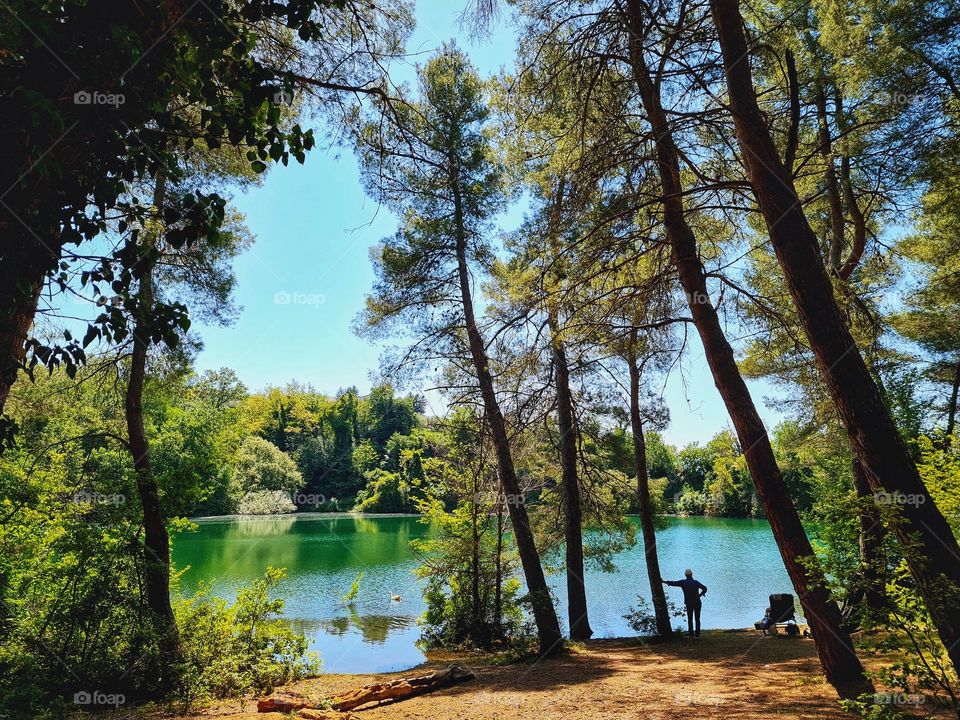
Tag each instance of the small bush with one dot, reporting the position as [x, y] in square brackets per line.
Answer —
[261, 465]
[865, 707]
[231, 650]
[385, 492]
[266, 502]
[691, 502]
[351, 594]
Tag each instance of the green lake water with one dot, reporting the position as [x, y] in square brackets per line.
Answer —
[736, 559]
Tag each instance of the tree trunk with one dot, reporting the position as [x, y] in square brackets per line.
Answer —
[544, 613]
[25, 260]
[853, 206]
[657, 594]
[840, 663]
[829, 176]
[498, 588]
[952, 408]
[572, 511]
[872, 563]
[19, 306]
[156, 544]
[875, 439]
[476, 613]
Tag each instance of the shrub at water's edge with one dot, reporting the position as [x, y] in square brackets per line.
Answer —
[232, 650]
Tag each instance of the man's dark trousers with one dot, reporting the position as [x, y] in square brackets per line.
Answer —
[693, 613]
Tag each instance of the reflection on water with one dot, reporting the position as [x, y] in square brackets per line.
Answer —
[356, 643]
[736, 559]
[253, 526]
[373, 628]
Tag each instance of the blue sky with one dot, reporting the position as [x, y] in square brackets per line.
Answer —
[303, 282]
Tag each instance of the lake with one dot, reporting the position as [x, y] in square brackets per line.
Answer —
[737, 560]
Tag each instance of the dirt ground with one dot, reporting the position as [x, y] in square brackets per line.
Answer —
[733, 675]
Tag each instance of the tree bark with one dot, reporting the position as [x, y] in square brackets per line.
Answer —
[25, 260]
[831, 185]
[658, 596]
[475, 562]
[572, 510]
[402, 688]
[872, 564]
[853, 206]
[544, 613]
[931, 548]
[498, 569]
[19, 306]
[952, 408]
[840, 663]
[156, 543]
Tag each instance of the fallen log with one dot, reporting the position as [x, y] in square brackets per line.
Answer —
[283, 701]
[402, 688]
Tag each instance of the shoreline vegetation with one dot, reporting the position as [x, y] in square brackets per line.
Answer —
[355, 513]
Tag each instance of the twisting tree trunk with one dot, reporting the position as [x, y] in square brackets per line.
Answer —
[829, 174]
[572, 511]
[156, 542]
[840, 663]
[544, 614]
[857, 218]
[932, 549]
[647, 528]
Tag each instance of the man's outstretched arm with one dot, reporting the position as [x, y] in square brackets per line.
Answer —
[675, 583]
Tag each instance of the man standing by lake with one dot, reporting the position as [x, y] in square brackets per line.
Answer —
[693, 590]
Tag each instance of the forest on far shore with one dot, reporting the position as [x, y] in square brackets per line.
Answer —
[224, 450]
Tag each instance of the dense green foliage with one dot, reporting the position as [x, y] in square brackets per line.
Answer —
[124, 115]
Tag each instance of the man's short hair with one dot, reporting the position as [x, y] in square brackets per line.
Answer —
[688, 572]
